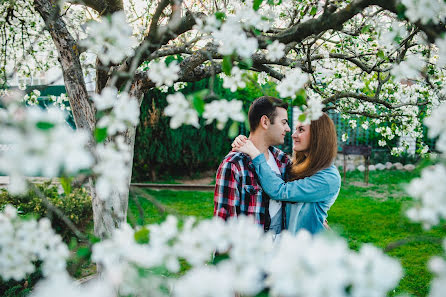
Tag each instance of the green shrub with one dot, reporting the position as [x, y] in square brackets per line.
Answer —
[161, 152]
[76, 206]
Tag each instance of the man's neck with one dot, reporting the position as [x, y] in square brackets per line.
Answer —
[259, 141]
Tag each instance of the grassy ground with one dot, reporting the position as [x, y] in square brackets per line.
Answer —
[362, 214]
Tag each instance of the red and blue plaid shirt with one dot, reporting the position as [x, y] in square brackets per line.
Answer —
[237, 188]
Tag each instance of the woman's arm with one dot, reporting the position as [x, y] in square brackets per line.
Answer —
[315, 188]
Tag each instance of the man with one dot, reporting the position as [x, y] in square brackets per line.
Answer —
[237, 189]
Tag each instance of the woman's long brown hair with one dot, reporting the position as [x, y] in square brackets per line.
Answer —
[321, 152]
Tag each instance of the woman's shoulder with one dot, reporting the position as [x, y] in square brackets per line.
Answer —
[331, 175]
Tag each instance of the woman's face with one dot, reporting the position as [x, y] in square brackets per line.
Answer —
[301, 138]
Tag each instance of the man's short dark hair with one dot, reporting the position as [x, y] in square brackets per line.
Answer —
[265, 105]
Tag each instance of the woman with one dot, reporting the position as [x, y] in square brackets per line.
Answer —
[313, 180]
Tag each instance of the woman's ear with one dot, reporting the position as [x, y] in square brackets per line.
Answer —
[264, 122]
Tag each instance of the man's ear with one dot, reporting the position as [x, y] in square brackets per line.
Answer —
[264, 122]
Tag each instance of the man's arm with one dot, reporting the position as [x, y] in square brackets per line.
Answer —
[226, 195]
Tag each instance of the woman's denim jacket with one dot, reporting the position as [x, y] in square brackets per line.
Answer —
[312, 196]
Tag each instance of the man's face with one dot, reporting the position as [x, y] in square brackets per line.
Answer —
[276, 132]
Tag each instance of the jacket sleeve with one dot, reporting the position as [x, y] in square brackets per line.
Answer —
[227, 194]
[315, 188]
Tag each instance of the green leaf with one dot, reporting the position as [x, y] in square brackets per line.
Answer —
[142, 236]
[301, 98]
[220, 15]
[313, 10]
[66, 184]
[302, 118]
[100, 134]
[83, 252]
[245, 64]
[227, 65]
[256, 4]
[233, 130]
[220, 257]
[365, 29]
[380, 54]
[44, 125]
[198, 101]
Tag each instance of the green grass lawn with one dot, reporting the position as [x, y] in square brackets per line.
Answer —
[362, 214]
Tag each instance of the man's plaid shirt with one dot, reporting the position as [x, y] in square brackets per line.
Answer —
[238, 191]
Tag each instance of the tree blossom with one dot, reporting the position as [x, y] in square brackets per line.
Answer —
[125, 113]
[42, 145]
[410, 68]
[425, 10]
[430, 191]
[111, 39]
[180, 111]
[235, 80]
[436, 123]
[294, 80]
[262, 78]
[275, 51]
[63, 285]
[162, 74]
[113, 173]
[106, 99]
[231, 39]
[209, 25]
[23, 242]
[222, 110]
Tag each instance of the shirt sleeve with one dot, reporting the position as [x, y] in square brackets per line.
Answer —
[226, 194]
[315, 188]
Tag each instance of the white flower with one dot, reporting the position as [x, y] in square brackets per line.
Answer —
[222, 110]
[180, 111]
[436, 123]
[425, 10]
[45, 145]
[262, 78]
[106, 99]
[365, 125]
[231, 39]
[314, 109]
[430, 191]
[209, 25]
[125, 113]
[344, 137]
[111, 39]
[235, 80]
[410, 68]
[382, 142]
[113, 172]
[161, 74]
[275, 51]
[23, 242]
[294, 80]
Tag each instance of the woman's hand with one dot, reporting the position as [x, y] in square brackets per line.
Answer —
[238, 142]
[248, 148]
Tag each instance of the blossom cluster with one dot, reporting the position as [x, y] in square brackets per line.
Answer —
[425, 10]
[438, 267]
[124, 112]
[300, 265]
[162, 74]
[43, 144]
[180, 111]
[294, 80]
[111, 38]
[222, 110]
[24, 242]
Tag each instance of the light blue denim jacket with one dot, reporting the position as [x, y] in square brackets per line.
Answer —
[312, 196]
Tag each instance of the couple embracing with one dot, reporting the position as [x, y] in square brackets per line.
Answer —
[259, 180]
